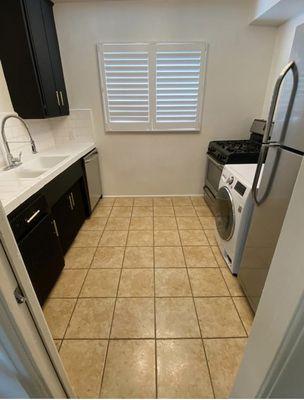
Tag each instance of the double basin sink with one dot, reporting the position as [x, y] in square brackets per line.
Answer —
[34, 168]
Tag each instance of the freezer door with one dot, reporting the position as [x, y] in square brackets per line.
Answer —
[280, 173]
[292, 135]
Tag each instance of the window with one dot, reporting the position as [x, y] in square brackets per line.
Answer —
[152, 87]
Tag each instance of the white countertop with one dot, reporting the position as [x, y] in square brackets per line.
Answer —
[14, 191]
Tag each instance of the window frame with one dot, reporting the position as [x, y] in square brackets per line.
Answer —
[152, 125]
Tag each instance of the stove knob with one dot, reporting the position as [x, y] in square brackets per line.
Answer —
[230, 180]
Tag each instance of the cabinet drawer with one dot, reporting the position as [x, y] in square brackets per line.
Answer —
[28, 217]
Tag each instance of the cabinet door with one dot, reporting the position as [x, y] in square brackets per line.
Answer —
[42, 257]
[79, 214]
[63, 215]
[69, 213]
[42, 56]
[53, 46]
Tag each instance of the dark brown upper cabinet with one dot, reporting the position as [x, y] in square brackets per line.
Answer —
[30, 58]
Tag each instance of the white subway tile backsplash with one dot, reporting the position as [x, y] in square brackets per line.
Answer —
[47, 133]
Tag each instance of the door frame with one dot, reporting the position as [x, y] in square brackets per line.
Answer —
[28, 318]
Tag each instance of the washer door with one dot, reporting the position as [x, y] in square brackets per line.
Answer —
[225, 218]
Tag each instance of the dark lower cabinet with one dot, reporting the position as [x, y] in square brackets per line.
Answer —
[42, 256]
[69, 214]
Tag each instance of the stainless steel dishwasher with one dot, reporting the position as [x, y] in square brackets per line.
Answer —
[92, 170]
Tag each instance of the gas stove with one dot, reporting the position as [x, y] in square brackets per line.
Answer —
[221, 152]
[236, 151]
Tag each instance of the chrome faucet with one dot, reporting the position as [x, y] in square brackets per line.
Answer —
[15, 161]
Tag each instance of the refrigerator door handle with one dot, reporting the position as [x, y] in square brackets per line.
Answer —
[290, 66]
[293, 67]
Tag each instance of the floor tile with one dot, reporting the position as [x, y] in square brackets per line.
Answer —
[193, 238]
[188, 223]
[146, 211]
[185, 211]
[207, 282]
[163, 211]
[198, 201]
[210, 233]
[94, 224]
[140, 238]
[176, 318]
[69, 283]
[166, 238]
[133, 318]
[245, 312]
[79, 257]
[199, 257]
[121, 212]
[113, 238]
[87, 239]
[101, 211]
[218, 317]
[169, 257]
[208, 222]
[172, 282]
[224, 358]
[143, 201]
[164, 223]
[203, 211]
[162, 202]
[130, 370]
[182, 369]
[83, 361]
[57, 313]
[57, 343]
[106, 201]
[232, 283]
[218, 256]
[138, 257]
[118, 224]
[136, 283]
[91, 319]
[181, 201]
[108, 257]
[123, 201]
[141, 223]
[101, 283]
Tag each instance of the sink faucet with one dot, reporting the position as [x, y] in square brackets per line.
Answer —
[15, 161]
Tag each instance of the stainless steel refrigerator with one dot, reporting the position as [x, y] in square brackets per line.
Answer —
[283, 147]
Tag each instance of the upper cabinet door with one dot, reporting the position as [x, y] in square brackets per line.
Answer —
[31, 59]
[53, 46]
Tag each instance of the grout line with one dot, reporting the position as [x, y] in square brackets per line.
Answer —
[154, 282]
[197, 320]
[114, 308]
[113, 339]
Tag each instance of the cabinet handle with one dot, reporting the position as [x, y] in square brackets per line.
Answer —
[70, 200]
[61, 96]
[73, 201]
[55, 227]
[58, 100]
[30, 219]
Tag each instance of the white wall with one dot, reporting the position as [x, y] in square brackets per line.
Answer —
[238, 68]
[281, 53]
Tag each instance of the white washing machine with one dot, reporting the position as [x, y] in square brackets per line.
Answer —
[234, 209]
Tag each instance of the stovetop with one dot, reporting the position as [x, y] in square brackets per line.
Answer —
[235, 151]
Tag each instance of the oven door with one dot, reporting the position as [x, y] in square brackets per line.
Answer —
[213, 176]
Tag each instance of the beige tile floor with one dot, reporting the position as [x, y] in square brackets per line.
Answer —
[145, 306]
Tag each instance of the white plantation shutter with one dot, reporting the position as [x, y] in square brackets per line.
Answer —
[154, 87]
[125, 82]
[179, 71]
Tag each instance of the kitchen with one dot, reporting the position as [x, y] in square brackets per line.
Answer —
[152, 213]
